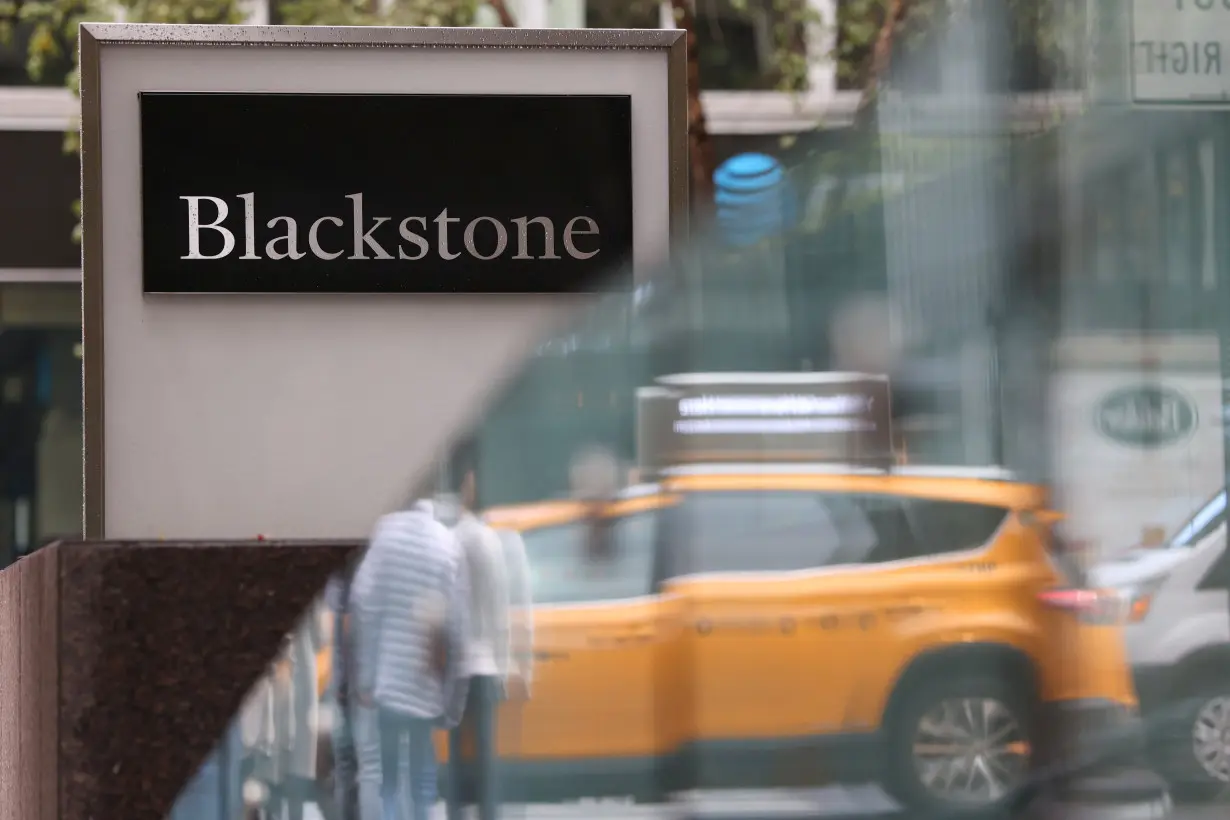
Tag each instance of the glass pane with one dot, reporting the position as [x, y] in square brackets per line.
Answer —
[856, 500]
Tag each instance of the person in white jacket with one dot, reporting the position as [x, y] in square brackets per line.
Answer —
[409, 595]
[497, 575]
[520, 615]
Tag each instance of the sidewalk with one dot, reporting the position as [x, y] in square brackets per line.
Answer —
[835, 802]
[831, 803]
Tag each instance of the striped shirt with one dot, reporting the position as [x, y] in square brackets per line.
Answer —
[411, 579]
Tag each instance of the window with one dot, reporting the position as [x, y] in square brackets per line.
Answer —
[1105, 232]
[14, 55]
[1141, 243]
[1181, 215]
[1201, 525]
[951, 526]
[1144, 256]
[943, 47]
[1144, 222]
[736, 44]
[1218, 576]
[753, 531]
[783, 531]
[739, 45]
[562, 571]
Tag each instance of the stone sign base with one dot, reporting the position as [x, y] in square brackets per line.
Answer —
[121, 663]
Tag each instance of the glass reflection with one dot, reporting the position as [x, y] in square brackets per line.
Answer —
[916, 508]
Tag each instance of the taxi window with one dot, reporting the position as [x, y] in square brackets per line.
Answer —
[770, 531]
[951, 526]
[728, 531]
[562, 571]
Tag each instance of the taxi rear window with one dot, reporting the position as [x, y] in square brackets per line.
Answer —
[733, 531]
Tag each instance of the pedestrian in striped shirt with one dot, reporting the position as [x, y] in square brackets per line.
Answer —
[409, 598]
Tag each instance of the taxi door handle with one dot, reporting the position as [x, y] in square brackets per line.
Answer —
[638, 632]
[620, 635]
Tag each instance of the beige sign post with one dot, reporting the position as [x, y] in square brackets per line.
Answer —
[223, 414]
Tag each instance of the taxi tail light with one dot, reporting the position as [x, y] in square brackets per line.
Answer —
[1089, 605]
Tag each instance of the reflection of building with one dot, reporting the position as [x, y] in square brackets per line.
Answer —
[1059, 275]
[1138, 262]
[40, 439]
[1038, 283]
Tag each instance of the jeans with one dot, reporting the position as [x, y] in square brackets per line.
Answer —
[291, 796]
[366, 730]
[214, 793]
[474, 779]
[418, 732]
[345, 761]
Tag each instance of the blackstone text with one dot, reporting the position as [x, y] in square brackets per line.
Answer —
[368, 238]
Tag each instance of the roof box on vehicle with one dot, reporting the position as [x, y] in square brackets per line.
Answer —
[695, 418]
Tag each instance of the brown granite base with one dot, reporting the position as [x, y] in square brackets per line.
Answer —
[122, 663]
[28, 695]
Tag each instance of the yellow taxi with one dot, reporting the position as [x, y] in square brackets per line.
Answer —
[784, 625]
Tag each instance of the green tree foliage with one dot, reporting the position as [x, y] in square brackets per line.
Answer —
[358, 13]
[1045, 38]
[1052, 29]
[52, 25]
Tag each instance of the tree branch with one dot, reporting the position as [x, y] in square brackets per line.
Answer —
[501, 9]
[881, 59]
[701, 157]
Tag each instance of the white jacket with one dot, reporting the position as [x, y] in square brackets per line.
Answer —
[520, 606]
[410, 582]
[500, 638]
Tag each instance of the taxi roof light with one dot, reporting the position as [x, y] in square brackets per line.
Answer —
[815, 419]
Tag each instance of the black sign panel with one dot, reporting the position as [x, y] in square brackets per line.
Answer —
[837, 420]
[356, 193]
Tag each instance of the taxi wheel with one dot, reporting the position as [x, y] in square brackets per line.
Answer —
[960, 747]
[1192, 751]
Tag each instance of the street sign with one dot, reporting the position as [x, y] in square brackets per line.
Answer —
[311, 255]
[1180, 53]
